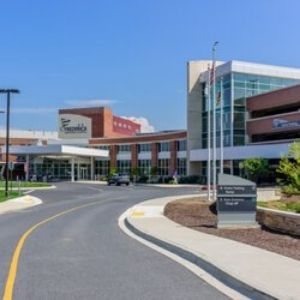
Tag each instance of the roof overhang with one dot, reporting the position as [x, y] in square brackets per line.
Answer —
[56, 150]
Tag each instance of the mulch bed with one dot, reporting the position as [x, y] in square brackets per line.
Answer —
[197, 214]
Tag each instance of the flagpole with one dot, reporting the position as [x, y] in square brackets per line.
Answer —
[208, 138]
[221, 129]
[214, 121]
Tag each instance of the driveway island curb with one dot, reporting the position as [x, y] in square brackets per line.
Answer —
[147, 222]
[19, 203]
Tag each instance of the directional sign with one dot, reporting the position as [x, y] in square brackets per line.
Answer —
[236, 190]
[236, 204]
[236, 201]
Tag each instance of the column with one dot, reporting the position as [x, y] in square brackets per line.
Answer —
[27, 168]
[154, 154]
[78, 170]
[173, 157]
[113, 156]
[72, 169]
[134, 155]
[92, 168]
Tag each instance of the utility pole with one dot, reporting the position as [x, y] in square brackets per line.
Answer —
[8, 93]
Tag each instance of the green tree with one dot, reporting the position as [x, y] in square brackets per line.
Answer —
[113, 171]
[255, 168]
[134, 172]
[153, 171]
[289, 169]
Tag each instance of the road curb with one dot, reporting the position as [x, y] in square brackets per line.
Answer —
[220, 279]
[216, 272]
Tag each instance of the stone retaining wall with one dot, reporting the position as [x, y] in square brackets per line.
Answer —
[281, 221]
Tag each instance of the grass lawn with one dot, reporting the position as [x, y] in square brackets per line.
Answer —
[291, 206]
[24, 184]
[10, 195]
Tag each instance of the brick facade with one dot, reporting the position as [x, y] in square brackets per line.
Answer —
[134, 155]
[104, 123]
[173, 157]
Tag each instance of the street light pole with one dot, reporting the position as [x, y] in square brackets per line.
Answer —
[8, 93]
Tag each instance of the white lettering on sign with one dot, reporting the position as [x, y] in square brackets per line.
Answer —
[280, 123]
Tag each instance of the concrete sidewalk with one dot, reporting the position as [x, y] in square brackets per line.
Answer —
[253, 272]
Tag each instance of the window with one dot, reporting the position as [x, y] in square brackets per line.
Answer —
[102, 167]
[181, 166]
[181, 145]
[102, 147]
[163, 167]
[124, 148]
[124, 166]
[144, 147]
[164, 147]
[144, 166]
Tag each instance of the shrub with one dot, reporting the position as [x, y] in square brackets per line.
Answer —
[289, 169]
[191, 179]
[294, 206]
[165, 179]
[143, 179]
[255, 168]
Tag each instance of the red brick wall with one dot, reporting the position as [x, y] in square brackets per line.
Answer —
[279, 98]
[134, 155]
[156, 137]
[154, 154]
[173, 157]
[265, 124]
[125, 127]
[103, 122]
[113, 156]
[96, 114]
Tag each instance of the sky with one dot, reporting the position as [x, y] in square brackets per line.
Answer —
[130, 55]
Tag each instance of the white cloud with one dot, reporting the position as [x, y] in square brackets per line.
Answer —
[145, 124]
[90, 102]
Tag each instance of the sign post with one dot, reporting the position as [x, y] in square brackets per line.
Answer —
[236, 202]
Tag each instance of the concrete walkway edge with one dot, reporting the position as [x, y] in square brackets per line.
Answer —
[217, 273]
[232, 282]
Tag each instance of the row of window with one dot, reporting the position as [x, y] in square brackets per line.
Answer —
[62, 169]
[144, 167]
[162, 147]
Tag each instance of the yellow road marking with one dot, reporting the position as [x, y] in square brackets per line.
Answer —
[138, 214]
[11, 278]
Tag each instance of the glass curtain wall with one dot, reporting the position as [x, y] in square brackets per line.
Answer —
[236, 87]
[102, 167]
[60, 169]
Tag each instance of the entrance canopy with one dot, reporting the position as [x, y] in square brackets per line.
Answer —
[61, 151]
[56, 150]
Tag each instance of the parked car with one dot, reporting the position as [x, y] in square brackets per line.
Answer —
[118, 179]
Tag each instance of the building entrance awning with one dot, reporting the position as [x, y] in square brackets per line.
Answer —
[57, 150]
[60, 151]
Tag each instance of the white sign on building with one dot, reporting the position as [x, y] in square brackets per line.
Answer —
[74, 127]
